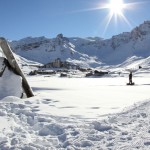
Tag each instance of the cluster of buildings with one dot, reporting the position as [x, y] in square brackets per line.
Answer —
[57, 63]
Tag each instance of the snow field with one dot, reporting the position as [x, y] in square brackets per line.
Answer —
[88, 97]
[30, 130]
[38, 123]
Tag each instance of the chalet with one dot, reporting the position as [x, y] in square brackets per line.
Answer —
[55, 64]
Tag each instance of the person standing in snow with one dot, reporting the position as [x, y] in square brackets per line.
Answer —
[130, 78]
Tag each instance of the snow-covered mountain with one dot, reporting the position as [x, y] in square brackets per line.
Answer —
[44, 50]
[87, 51]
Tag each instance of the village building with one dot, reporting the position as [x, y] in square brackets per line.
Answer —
[57, 63]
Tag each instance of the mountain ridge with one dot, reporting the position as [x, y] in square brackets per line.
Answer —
[90, 51]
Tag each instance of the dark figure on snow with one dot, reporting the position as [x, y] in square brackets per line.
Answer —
[140, 67]
[130, 78]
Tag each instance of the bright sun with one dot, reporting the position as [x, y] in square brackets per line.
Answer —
[116, 6]
[116, 10]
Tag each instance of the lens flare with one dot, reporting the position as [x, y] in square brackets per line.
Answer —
[116, 7]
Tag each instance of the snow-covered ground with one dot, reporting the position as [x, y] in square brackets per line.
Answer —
[87, 97]
[74, 113]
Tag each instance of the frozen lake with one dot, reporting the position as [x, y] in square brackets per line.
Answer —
[88, 97]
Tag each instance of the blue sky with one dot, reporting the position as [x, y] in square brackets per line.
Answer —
[22, 18]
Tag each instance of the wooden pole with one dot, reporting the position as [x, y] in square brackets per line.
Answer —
[13, 63]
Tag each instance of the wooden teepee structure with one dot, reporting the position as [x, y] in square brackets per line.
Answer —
[15, 67]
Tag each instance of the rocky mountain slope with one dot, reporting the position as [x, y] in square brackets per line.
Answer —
[89, 51]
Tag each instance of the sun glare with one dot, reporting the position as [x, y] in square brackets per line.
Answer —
[116, 10]
[116, 7]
